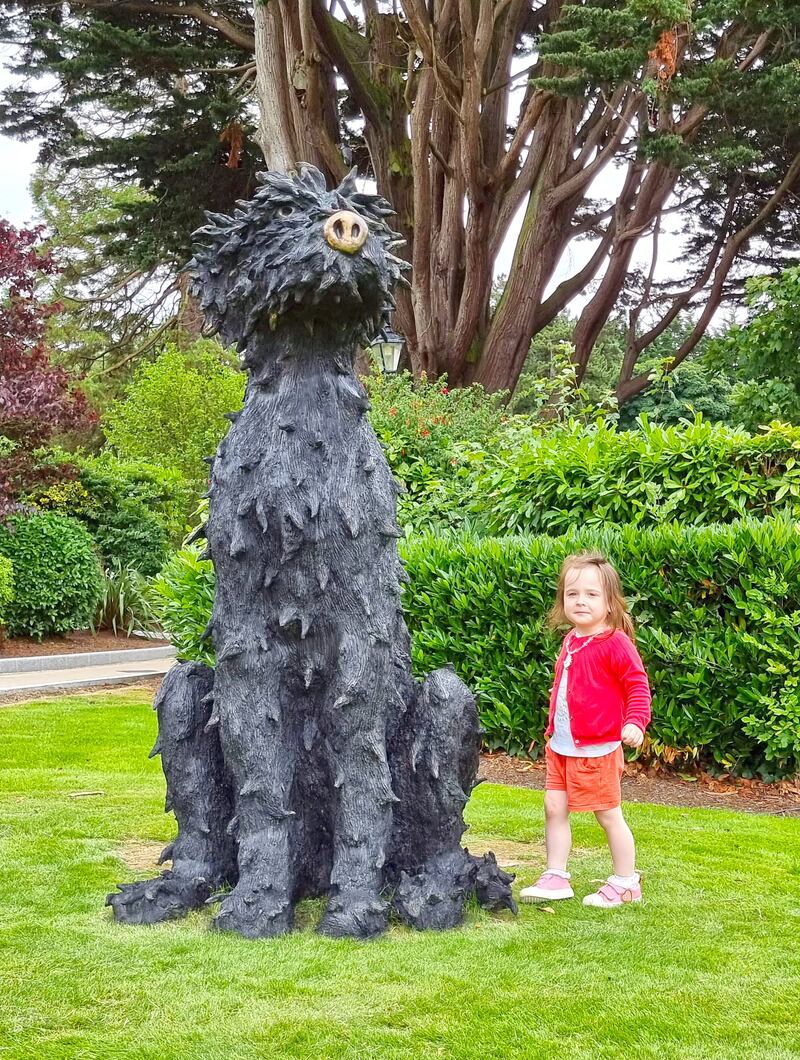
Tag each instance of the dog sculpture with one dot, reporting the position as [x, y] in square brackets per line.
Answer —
[309, 762]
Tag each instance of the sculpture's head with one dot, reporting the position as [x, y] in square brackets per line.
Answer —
[297, 251]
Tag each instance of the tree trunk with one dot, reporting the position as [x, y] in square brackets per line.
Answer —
[190, 317]
[543, 237]
[276, 126]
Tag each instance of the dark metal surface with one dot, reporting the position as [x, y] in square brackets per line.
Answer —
[335, 772]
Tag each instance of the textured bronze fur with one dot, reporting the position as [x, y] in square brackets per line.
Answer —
[341, 774]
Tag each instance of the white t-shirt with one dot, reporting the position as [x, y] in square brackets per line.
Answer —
[561, 741]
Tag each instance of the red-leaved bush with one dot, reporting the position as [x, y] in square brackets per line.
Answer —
[37, 398]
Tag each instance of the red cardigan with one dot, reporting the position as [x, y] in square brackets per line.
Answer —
[607, 689]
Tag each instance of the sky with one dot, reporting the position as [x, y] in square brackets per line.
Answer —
[17, 162]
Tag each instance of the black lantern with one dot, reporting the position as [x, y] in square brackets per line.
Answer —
[390, 346]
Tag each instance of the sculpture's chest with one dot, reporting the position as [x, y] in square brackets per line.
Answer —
[302, 495]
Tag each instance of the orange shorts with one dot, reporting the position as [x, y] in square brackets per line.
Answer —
[590, 783]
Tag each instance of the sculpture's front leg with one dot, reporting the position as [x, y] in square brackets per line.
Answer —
[198, 790]
[355, 721]
[260, 743]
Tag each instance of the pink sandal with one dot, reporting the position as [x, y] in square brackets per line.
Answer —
[612, 895]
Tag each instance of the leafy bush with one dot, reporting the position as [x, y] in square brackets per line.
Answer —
[57, 576]
[536, 481]
[183, 596]
[693, 387]
[6, 588]
[174, 411]
[762, 354]
[717, 609]
[422, 425]
[125, 603]
[548, 387]
[133, 510]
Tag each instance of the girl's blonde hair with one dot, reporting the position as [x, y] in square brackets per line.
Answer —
[618, 615]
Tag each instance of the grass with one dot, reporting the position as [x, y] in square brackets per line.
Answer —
[707, 966]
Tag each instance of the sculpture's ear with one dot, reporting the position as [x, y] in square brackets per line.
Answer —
[311, 177]
[213, 269]
[348, 186]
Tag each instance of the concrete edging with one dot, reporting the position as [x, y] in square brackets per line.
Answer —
[82, 660]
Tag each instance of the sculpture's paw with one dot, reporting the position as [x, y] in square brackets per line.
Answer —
[434, 898]
[254, 915]
[492, 885]
[354, 917]
[167, 897]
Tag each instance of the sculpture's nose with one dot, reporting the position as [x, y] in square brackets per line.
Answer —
[346, 231]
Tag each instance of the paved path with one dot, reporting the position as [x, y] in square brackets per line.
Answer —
[44, 673]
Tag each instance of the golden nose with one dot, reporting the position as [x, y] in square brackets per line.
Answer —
[346, 231]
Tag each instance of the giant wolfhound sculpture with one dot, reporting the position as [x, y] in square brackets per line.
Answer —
[309, 762]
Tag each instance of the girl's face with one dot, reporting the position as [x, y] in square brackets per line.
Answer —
[585, 602]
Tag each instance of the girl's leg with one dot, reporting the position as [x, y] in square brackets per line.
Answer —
[557, 831]
[620, 841]
[554, 881]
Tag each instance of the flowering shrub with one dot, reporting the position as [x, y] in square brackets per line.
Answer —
[422, 425]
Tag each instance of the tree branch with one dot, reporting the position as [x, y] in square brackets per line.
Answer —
[350, 66]
[552, 305]
[580, 181]
[424, 34]
[225, 27]
[641, 382]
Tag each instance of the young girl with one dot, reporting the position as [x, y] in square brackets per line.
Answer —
[600, 699]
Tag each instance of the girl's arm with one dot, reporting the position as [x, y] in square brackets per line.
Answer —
[633, 678]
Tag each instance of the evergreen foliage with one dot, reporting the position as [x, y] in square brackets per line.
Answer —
[160, 129]
[57, 576]
[113, 315]
[764, 354]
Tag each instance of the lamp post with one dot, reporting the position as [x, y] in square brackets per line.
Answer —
[390, 346]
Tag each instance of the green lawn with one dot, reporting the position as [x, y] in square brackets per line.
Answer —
[707, 966]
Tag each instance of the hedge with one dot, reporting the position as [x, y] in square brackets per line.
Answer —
[718, 615]
[57, 575]
[546, 482]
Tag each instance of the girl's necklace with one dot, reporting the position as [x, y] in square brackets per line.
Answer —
[574, 651]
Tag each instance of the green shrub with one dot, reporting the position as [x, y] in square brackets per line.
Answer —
[718, 614]
[536, 481]
[125, 603]
[6, 588]
[183, 596]
[173, 413]
[57, 576]
[134, 510]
